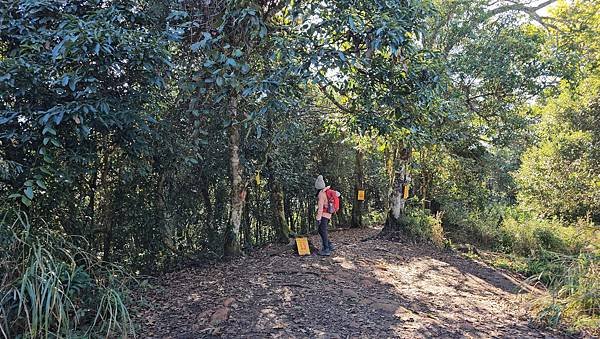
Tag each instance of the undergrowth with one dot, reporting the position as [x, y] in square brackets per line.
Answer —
[50, 287]
[564, 257]
[419, 224]
[574, 289]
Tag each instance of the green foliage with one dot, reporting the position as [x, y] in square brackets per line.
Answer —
[52, 287]
[478, 226]
[574, 286]
[561, 256]
[511, 262]
[511, 230]
[72, 74]
[577, 48]
[527, 236]
[558, 176]
[421, 225]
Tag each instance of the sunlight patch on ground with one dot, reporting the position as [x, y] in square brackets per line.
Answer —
[344, 263]
[194, 297]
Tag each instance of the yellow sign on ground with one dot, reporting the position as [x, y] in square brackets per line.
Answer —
[302, 244]
[405, 192]
[361, 195]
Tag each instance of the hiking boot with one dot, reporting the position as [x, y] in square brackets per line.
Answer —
[324, 252]
[331, 247]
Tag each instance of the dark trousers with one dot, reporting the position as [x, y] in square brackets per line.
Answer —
[323, 232]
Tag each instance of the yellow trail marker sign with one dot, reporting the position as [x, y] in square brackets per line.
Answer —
[405, 192]
[361, 195]
[302, 244]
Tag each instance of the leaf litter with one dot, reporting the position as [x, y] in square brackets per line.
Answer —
[368, 288]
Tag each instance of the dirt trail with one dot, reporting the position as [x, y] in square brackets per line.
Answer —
[367, 289]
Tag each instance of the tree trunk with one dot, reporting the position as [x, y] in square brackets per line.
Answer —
[426, 179]
[259, 217]
[255, 205]
[281, 227]
[289, 213]
[92, 198]
[357, 205]
[309, 219]
[219, 212]
[246, 230]
[208, 207]
[106, 248]
[256, 239]
[397, 201]
[107, 207]
[238, 192]
[169, 230]
[391, 153]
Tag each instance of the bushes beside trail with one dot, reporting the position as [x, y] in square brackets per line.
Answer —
[509, 230]
[422, 226]
[51, 286]
[573, 283]
[564, 257]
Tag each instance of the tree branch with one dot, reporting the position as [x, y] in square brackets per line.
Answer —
[529, 10]
[333, 100]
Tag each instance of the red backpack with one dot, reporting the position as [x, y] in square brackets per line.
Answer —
[333, 201]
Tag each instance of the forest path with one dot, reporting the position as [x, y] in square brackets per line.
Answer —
[366, 289]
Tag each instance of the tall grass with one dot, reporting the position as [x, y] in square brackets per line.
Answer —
[527, 235]
[480, 227]
[53, 288]
[565, 258]
[562, 256]
[573, 290]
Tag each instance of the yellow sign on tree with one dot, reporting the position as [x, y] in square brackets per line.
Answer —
[361, 195]
[302, 244]
[405, 192]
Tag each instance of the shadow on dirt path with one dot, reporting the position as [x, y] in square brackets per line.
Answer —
[367, 289]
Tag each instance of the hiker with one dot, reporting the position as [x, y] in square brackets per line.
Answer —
[323, 215]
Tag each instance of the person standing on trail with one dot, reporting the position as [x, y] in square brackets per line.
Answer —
[323, 216]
